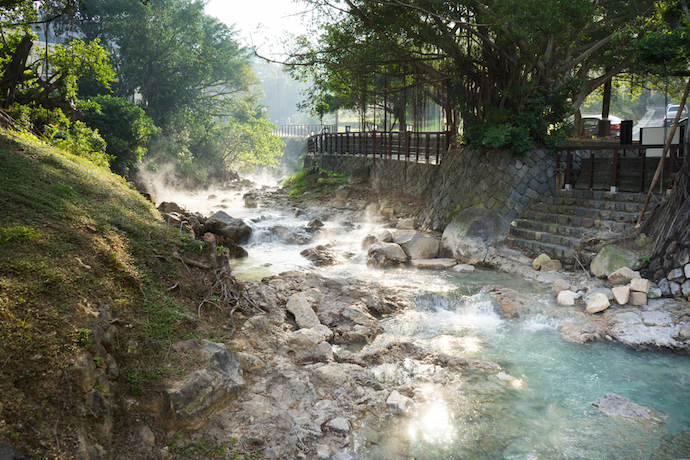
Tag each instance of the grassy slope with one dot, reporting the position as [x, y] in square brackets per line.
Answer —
[75, 238]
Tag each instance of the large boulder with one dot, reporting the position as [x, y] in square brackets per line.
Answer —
[610, 259]
[469, 236]
[223, 224]
[418, 246]
[190, 403]
[382, 254]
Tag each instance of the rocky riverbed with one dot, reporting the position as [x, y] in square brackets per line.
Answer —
[306, 387]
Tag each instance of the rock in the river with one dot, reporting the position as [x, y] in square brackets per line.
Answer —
[382, 254]
[299, 306]
[566, 297]
[610, 259]
[433, 264]
[536, 263]
[397, 403]
[598, 302]
[368, 241]
[471, 233]
[623, 276]
[621, 294]
[418, 246]
[463, 268]
[618, 406]
[559, 286]
[192, 402]
[235, 229]
[250, 200]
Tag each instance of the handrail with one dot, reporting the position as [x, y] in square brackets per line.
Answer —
[401, 145]
[613, 166]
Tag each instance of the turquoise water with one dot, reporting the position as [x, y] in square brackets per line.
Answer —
[539, 407]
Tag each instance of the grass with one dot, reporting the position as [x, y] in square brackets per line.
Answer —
[76, 239]
[313, 181]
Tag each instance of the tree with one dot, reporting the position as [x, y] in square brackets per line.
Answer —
[124, 126]
[513, 70]
[185, 69]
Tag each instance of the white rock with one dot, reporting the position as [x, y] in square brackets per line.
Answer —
[621, 294]
[299, 306]
[386, 237]
[323, 451]
[566, 297]
[640, 285]
[398, 403]
[598, 302]
[686, 270]
[463, 268]
[433, 264]
[623, 276]
[339, 425]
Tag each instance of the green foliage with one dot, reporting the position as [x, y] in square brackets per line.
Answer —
[312, 179]
[81, 61]
[124, 126]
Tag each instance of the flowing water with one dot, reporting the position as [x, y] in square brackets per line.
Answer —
[538, 407]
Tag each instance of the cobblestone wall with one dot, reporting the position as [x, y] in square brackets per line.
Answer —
[502, 181]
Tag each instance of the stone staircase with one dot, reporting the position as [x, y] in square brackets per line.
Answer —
[555, 225]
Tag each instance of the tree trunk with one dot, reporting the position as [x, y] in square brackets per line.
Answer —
[15, 72]
[668, 226]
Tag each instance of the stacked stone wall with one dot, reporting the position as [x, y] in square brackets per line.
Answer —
[502, 181]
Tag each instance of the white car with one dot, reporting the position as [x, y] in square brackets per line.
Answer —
[671, 111]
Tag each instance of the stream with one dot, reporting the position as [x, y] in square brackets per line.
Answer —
[538, 407]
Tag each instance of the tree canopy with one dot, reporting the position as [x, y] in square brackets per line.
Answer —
[513, 70]
[184, 69]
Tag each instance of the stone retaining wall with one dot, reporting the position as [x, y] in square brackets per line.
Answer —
[411, 178]
[502, 181]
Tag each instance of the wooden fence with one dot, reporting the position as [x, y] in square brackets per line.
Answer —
[302, 130]
[402, 145]
[628, 168]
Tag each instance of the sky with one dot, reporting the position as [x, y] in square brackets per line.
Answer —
[261, 23]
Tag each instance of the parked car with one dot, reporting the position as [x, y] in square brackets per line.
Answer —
[671, 111]
[591, 124]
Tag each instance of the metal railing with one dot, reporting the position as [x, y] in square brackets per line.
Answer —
[302, 130]
[628, 168]
[402, 145]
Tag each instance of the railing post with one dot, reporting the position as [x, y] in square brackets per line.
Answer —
[568, 165]
[591, 169]
[416, 147]
[614, 169]
[643, 164]
[426, 148]
[373, 144]
[407, 146]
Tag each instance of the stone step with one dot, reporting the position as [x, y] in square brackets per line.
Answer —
[534, 248]
[545, 227]
[607, 220]
[561, 204]
[545, 237]
[603, 195]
